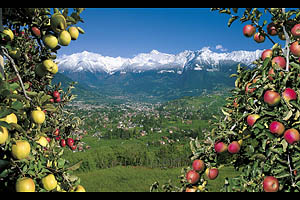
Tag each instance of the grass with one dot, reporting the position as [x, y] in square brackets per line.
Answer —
[139, 179]
[126, 178]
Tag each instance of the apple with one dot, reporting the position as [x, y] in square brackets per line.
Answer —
[271, 74]
[9, 33]
[62, 143]
[74, 147]
[271, 97]
[234, 147]
[64, 38]
[57, 100]
[58, 22]
[279, 61]
[249, 90]
[36, 31]
[277, 128]
[268, 53]
[270, 184]
[211, 173]
[56, 132]
[271, 29]
[73, 32]
[198, 165]
[56, 94]
[70, 142]
[192, 177]
[296, 30]
[289, 94]
[50, 41]
[295, 49]
[251, 119]
[281, 36]
[194, 189]
[220, 147]
[258, 37]
[291, 136]
[249, 30]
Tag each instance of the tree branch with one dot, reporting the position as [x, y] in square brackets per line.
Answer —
[287, 41]
[5, 53]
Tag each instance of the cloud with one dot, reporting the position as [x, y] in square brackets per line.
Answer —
[220, 47]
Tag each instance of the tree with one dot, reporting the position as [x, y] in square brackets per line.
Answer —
[255, 145]
[31, 107]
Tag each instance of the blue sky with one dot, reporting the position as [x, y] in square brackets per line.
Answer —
[126, 32]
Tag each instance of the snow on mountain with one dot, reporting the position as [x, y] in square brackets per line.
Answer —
[203, 59]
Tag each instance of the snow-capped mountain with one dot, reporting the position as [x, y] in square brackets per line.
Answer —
[203, 59]
[155, 74]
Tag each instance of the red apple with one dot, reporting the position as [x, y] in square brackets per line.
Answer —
[220, 147]
[291, 136]
[295, 49]
[198, 165]
[48, 139]
[211, 173]
[249, 30]
[192, 177]
[270, 184]
[249, 90]
[271, 72]
[234, 147]
[277, 128]
[258, 37]
[36, 31]
[193, 189]
[73, 147]
[271, 98]
[279, 61]
[251, 119]
[56, 94]
[296, 30]
[289, 94]
[62, 142]
[57, 100]
[56, 132]
[70, 142]
[268, 53]
[271, 29]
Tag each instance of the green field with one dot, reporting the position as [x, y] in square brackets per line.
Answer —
[139, 179]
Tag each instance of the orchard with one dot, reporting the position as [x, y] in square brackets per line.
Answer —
[32, 113]
[259, 131]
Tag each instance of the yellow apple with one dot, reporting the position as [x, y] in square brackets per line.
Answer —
[3, 135]
[74, 32]
[25, 184]
[64, 38]
[50, 41]
[21, 149]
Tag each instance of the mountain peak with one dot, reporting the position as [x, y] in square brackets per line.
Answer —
[201, 59]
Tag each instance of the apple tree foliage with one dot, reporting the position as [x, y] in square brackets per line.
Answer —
[262, 153]
[23, 90]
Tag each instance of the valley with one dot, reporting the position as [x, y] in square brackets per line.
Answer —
[139, 138]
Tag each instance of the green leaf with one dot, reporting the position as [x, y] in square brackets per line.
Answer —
[3, 164]
[17, 105]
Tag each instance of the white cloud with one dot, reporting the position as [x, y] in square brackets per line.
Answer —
[220, 47]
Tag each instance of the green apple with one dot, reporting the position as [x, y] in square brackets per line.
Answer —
[64, 38]
[50, 41]
[49, 65]
[58, 22]
[73, 32]
[40, 70]
[9, 33]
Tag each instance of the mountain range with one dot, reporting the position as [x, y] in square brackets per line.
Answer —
[155, 75]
